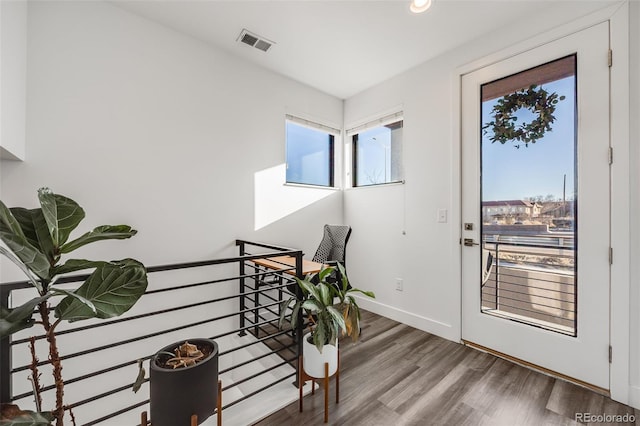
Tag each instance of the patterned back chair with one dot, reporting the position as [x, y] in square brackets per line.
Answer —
[332, 248]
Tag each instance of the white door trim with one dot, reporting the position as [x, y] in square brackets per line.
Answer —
[618, 15]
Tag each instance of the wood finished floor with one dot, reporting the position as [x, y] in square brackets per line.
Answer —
[398, 375]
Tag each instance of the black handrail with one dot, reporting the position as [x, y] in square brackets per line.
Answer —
[259, 275]
[248, 305]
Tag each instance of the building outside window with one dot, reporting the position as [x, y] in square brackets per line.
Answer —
[377, 154]
[309, 153]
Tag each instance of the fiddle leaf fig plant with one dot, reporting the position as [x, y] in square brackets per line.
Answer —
[36, 240]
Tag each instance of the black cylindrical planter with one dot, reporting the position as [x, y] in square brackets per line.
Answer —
[177, 394]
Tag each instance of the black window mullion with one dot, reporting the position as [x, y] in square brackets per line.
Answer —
[355, 161]
[331, 161]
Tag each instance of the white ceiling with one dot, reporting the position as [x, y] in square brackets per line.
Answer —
[342, 47]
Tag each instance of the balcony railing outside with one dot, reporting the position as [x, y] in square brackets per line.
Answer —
[533, 281]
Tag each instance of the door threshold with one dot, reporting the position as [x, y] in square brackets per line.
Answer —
[545, 371]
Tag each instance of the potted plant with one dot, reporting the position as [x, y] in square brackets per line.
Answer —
[331, 310]
[37, 240]
[184, 382]
[347, 303]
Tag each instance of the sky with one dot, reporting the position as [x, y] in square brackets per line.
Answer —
[307, 155]
[538, 169]
[374, 156]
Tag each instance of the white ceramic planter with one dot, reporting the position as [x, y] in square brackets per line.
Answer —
[313, 361]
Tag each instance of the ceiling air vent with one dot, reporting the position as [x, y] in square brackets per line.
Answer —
[255, 40]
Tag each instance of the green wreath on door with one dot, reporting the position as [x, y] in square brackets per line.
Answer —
[503, 127]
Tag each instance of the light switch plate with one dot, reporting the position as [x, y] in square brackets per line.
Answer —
[442, 215]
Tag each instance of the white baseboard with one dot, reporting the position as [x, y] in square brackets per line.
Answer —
[428, 325]
[634, 396]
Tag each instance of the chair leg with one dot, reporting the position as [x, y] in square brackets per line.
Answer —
[280, 295]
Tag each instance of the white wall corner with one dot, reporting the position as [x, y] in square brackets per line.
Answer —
[633, 20]
[13, 79]
[634, 396]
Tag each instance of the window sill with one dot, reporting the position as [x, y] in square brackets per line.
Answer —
[303, 185]
[378, 185]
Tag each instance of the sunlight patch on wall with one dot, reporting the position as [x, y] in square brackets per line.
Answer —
[274, 200]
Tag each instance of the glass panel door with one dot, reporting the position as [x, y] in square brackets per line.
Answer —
[535, 206]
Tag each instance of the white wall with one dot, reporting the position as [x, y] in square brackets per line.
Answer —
[427, 256]
[634, 96]
[144, 126]
[13, 84]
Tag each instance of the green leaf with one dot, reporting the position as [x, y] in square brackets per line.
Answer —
[12, 235]
[343, 277]
[104, 232]
[137, 384]
[309, 288]
[324, 293]
[336, 318]
[113, 288]
[312, 305]
[8, 326]
[36, 231]
[25, 220]
[62, 215]
[29, 418]
[366, 293]
[324, 272]
[74, 295]
[19, 318]
[30, 275]
[320, 336]
[283, 311]
[294, 315]
[74, 265]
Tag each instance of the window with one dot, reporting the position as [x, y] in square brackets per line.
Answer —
[377, 154]
[310, 153]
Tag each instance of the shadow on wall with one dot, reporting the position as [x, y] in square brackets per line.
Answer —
[273, 200]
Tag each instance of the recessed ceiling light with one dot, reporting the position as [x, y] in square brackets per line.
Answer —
[419, 6]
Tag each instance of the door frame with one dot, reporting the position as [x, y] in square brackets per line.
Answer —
[618, 16]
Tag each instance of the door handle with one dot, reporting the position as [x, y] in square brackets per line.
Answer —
[470, 243]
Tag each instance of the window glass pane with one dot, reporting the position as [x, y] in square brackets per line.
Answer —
[378, 155]
[529, 203]
[309, 156]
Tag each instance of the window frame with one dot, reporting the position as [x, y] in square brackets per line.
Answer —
[353, 134]
[331, 132]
